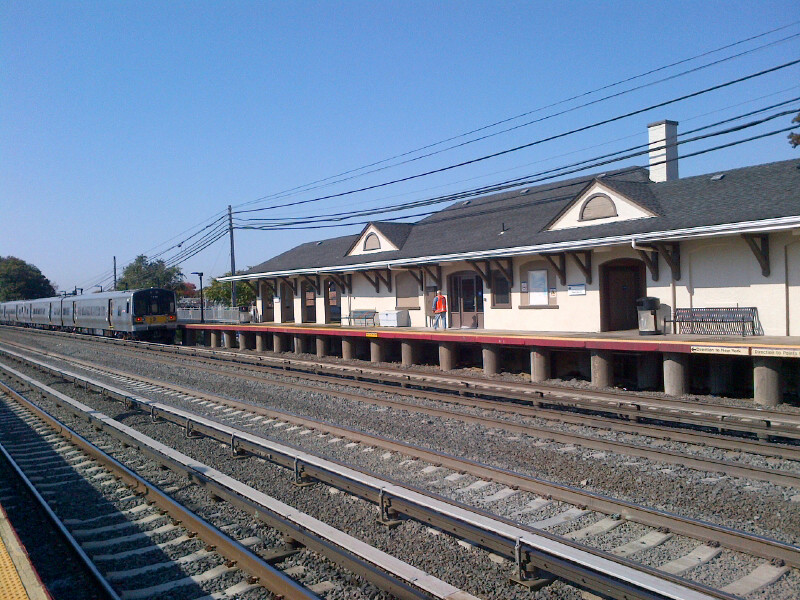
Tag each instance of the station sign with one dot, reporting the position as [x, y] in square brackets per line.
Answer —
[727, 350]
[779, 352]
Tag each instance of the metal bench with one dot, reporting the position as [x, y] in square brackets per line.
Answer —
[365, 315]
[715, 321]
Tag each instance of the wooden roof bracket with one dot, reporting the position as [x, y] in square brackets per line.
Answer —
[419, 276]
[271, 285]
[671, 254]
[385, 275]
[506, 269]
[376, 283]
[345, 281]
[315, 283]
[292, 283]
[486, 275]
[561, 267]
[760, 249]
[436, 277]
[651, 260]
[584, 265]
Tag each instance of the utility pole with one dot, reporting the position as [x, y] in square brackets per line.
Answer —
[115, 273]
[233, 259]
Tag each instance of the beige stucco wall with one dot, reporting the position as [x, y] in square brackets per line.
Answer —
[718, 272]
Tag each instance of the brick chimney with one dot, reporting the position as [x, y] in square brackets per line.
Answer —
[663, 139]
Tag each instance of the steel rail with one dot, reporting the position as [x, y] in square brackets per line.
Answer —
[391, 574]
[776, 476]
[736, 540]
[96, 575]
[759, 422]
[270, 577]
[517, 408]
[597, 571]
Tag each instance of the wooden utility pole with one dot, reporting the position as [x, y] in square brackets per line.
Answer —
[233, 258]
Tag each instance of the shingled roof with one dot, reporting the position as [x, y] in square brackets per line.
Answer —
[520, 218]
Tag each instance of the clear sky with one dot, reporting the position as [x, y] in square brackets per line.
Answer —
[126, 126]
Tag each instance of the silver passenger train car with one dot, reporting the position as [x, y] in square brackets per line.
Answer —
[132, 314]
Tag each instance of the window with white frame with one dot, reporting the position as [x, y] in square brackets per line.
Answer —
[537, 288]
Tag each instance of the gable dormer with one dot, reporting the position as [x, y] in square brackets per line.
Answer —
[371, 241]
[599, 204]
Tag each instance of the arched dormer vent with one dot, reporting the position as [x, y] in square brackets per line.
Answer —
[372, 242]
[598, 206]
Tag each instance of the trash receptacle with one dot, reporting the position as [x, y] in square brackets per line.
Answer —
[647, 308]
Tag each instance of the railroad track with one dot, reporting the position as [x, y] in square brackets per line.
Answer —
[610, 514]
[186, 539]
[780, 475]
[615, 409]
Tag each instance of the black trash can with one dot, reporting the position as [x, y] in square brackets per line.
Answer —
[647, 308]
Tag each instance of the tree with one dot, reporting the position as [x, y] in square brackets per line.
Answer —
[142, 273]
[220, 291]
[22, 281]
[187, 290]
[794, 138]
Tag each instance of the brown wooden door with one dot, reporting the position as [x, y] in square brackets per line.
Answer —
[309, 296]
[465, 303]
[623, 284]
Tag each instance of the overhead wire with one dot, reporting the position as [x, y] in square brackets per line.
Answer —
[306, 187]
[535, 142]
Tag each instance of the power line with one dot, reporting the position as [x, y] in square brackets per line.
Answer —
[306, 187]
[533, 143]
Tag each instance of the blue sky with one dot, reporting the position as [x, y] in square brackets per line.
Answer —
[125, 125]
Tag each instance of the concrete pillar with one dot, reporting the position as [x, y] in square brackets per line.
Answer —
[647, 371]
[720, 375]
[261, 342]
[189, 337]
[602, 368]
[348, 348]
[322, 345]
[377, 350]
[447, 356]
[215, 338]
[540, 364]
[767, 380]
[676, 373]
[298, 343]
[229, 336]
[409, 351]
[278, 342]
[491, 356]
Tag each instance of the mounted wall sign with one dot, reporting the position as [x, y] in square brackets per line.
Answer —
[578, 289]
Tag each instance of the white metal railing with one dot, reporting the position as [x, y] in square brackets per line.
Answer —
[214, 314]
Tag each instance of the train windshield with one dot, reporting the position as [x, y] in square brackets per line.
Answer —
[153, 302]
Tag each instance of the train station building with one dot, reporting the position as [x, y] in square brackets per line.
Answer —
[638, 257]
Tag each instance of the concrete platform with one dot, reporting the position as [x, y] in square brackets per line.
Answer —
[18, 577]
[731, 345]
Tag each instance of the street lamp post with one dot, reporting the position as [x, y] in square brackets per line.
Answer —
[202, 307]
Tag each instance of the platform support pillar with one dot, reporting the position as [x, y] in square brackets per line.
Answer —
[720, 375]
[229, 337]
[261, 342]
[189, 337]
[377, 350]
[602, 372]
[676, 373]
[278, 342]
[647, 371]
[491, 355]
[446, 356]
[540, 364]
[767, 380]
[408, 350]
[215, 339]
[322, 346]
[348, 348]
[298, 343]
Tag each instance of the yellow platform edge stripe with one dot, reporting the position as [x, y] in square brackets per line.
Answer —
[18, 579]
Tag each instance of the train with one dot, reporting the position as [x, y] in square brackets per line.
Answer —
[148, 314]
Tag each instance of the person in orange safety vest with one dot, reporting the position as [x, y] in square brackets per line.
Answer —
[439, 310]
